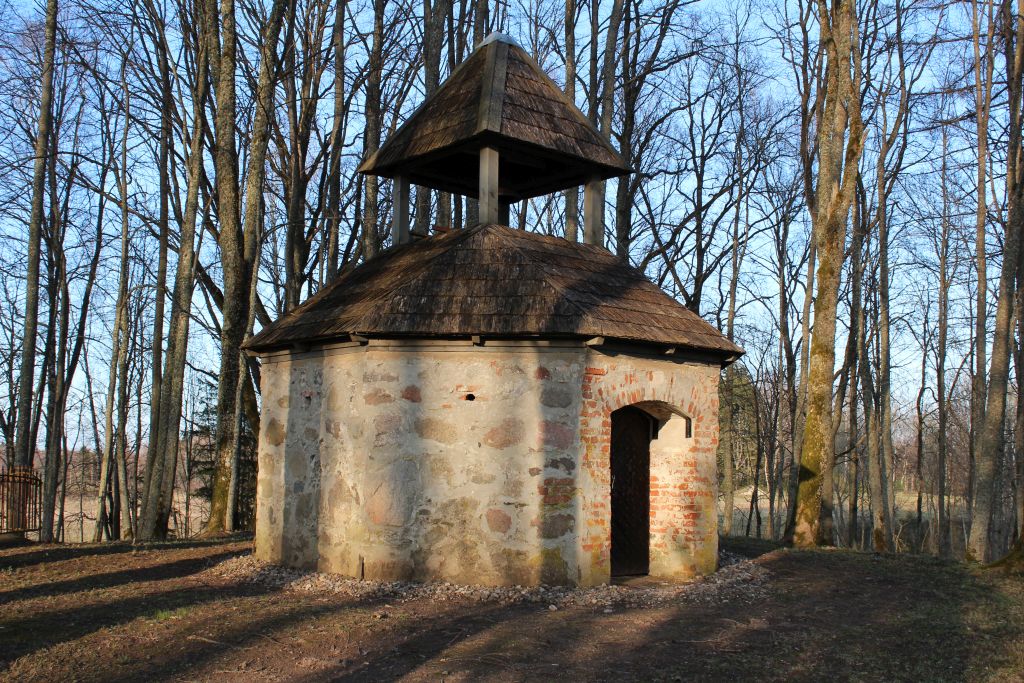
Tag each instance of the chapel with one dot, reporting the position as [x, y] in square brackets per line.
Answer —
[487, 405]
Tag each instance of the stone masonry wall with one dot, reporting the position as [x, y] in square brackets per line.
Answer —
[483, 465]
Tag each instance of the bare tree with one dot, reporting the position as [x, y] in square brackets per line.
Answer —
[160, 465]
[993, 434]
[24, 448]
[238, 241]
[839, 141]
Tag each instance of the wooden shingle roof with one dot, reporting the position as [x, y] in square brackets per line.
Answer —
[498, 97]
[496, 282]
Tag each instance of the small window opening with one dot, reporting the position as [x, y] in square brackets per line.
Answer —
[472, 397]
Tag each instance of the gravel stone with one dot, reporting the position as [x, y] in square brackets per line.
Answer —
[737, 579]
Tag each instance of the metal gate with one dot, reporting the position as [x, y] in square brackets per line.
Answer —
[20, 492]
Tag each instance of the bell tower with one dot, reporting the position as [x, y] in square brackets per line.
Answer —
[501, 130]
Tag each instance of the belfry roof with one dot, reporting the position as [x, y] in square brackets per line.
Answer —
[498, 97]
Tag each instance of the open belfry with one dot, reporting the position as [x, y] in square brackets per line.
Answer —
[489, 405]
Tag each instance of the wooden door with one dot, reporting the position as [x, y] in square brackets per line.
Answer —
[631, 491]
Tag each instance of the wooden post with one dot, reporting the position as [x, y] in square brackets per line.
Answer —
[593, 212]
[399, 211]
[490, 211]
[504, 212]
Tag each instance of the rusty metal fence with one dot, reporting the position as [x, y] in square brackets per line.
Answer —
[20, 491]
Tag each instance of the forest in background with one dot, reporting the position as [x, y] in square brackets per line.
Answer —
[835, 184]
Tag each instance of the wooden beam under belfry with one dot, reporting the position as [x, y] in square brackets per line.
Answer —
[399, 210]
[490, 209]
[593, 212]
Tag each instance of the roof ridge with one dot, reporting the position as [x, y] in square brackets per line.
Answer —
[492, 92]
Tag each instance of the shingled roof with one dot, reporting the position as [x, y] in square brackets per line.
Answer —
[498, 97]
[496, 282]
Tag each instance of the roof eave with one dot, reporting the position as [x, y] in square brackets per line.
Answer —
[660, 348]
[581, 169]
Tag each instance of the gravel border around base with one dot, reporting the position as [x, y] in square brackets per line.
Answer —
[738, 579]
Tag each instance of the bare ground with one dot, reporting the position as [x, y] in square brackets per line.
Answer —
[199, 611]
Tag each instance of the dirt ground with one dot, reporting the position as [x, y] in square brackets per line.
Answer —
[111, 613]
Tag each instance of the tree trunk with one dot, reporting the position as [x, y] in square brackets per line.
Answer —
[942, 532]
[572, 195]
[108, 421]
[608, 63]
[238, 242]
[121, 445]
[231, 521]
[123, 303]
[161, 463]
[163, 226]
[62, 370]
[372, 137]
[993, 428]
[337, 142]
[884, 361]
[880, 532]
[840, 140]
[919, 437]
[799, 410]
[24, 448]
[982, 105]
[631, 82]
[992, 441]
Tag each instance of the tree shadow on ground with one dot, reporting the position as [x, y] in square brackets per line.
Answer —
[432, 637]
[258, 633]
[182, 621]
[44, 629]
[91, 582]
[823, 615]
[834, 616]
[829, 616]
[579, 644]
[748, 546]
[33, 554]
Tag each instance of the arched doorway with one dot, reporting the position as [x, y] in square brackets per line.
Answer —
[632, 430]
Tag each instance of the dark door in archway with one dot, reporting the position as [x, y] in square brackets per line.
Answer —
[631, 491]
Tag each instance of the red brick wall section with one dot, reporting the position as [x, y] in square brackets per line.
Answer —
[684, 534]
